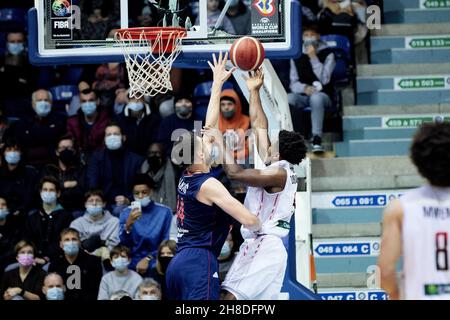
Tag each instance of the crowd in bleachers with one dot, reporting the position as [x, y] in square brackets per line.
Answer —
[76, 150]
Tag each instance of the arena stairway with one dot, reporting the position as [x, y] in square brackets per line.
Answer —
[408, 83]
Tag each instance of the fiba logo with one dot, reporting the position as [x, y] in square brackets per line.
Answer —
[61, 8]
[264, 20]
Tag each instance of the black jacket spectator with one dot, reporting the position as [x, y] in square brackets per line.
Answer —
[33, 282]
[44, 230]
[10, 233]
[91, 275]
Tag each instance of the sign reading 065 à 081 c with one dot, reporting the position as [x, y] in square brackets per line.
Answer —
[61, 19]
[265, 17]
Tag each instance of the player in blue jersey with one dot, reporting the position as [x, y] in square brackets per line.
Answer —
[202, 228]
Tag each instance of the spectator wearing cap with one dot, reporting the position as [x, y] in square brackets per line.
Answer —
[88, 125]
[139, 124]
[43, 225]
[75, 262]
[18, 181]
[142, 230]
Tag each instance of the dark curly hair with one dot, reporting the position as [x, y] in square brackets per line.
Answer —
[292, 146]
[430, 152]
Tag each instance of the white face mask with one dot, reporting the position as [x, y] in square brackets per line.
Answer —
[150, 297]
[113, 142]
[344, 4]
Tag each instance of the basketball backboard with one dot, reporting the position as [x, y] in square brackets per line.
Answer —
[82, 31]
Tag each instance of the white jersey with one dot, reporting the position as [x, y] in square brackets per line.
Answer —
[426, 246]
[273, 209]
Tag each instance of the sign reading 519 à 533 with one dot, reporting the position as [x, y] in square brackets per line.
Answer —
[265, 17]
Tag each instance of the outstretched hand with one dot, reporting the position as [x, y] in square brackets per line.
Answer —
[255, 80]
[220, 73]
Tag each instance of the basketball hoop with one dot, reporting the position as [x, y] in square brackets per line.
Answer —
[149, 71]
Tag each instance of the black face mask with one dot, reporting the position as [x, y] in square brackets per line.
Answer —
[164, 262]
[68, 157]
[155, 163]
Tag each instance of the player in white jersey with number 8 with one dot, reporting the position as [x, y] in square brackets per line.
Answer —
[418, 224]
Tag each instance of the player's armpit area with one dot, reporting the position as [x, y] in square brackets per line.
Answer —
[271, 177]
[391, 248]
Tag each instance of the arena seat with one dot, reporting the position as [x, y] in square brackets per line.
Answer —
[13, 19]
[62, 95]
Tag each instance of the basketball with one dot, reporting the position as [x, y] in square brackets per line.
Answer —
[247, 53]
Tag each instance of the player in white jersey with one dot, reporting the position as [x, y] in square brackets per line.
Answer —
[417, 225]
[258, 270]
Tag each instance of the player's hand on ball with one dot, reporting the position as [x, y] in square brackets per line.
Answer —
[220, 73]
[255, 80]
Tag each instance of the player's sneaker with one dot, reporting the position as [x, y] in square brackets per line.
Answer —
[316, 145]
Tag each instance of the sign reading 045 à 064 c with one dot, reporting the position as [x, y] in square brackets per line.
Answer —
[265, 17]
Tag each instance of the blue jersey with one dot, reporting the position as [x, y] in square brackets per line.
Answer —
[199, 225]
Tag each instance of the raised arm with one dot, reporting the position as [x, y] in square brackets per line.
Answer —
[220, 76]
[213, 192]
[391, 245]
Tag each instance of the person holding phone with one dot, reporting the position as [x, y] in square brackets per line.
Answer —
[144, 225]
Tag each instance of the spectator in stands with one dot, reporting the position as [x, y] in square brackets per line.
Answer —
[75, 261]
[3, 126]
[166, 251]
[233, 124]
[143, 230]
[311, 82]
[10, 234]
[160, 169]
[43, 225]
[109, 77]
[88, 126]
[69, 172]
[120, 101]
[149, 290]
[139, 124]
[37, 135]
[17, 76]
[98, 228]
[183, 118]
[18, 182]
[214, 9]
[112, 169]
[24, 282]
[240, 17]
[121, 278]
[54, 287]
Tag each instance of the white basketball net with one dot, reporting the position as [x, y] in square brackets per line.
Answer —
[149, 72]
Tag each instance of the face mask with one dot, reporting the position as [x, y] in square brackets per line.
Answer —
[154, 162]
[113, 142]
[309, 41]
[3, 213]
[118, 108]
[120, 263]
[228, 114]
[234, 3]
[12, 157]
[183, 110]
[361, 14]
[25, 259]
[214, 153]
[344, 4]
[135, 106]
[226, 250]
[89, 108]
[48, 197]
[150, 297]
[67, 157]
[15, 48]
[43, 108]
[71, 248]
[144, 201]
[94, 210]
[55, 294]
[164, 262]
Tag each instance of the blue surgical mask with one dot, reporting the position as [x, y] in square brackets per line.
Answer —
[113, 142]
[226, 250]
[15, 48]
[48, 197]
[120, 263]
[89, 107]
[12, 157]
[71, 248]
[94, 210]
[43, 108]
[135, 106]
[3, 213]
[308, 41]
[150, 297]
[55, 293]
[144, 201]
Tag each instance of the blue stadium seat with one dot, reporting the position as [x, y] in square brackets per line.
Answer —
[12, 19]
[341, 47]
[202, 93]
[62, 95]
[2, 43]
